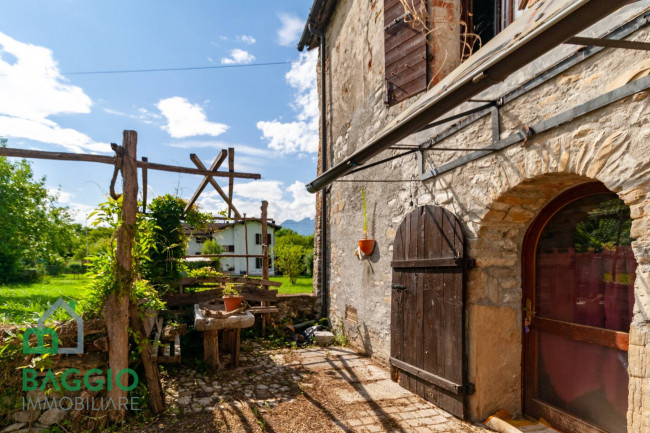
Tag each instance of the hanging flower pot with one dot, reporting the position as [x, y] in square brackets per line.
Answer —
[367, 246]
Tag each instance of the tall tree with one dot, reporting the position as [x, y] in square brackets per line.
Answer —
[33, 230]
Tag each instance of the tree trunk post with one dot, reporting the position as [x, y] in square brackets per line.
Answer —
[116, 309]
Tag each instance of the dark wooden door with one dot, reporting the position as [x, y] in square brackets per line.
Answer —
[427, 314]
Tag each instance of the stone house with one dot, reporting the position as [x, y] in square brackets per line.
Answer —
[232, 238]
[507, 189]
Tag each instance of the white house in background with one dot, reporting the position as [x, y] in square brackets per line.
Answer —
[231, 237]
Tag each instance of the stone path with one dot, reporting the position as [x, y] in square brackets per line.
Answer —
[371, 400]
[311, 389]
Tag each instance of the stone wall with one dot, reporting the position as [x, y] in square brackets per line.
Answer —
[495, 198]
[298, 306]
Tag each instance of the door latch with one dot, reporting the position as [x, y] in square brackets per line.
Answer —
[398, 287]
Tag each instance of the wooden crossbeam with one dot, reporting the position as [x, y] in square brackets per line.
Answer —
[231, 181]
[102, 159]
[215, 165]
[195, 159]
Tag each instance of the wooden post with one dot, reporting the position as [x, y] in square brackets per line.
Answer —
[265, 259]
[211, 349]
[116, 308]
[144, 185]
[231, 183]
[246, 243]
[151, 372]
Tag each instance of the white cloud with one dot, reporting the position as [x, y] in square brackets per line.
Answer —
[299, 136]
[33, 89]
[291, 29]
[292, 202]
[247, 158]
[61, 196]
[246, 39]
[185, 119]
[238, 57]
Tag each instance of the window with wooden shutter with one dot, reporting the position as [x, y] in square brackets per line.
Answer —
[258, 239]
[406, 53]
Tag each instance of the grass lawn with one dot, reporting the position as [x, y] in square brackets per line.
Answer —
[303, 285]
[20, 303]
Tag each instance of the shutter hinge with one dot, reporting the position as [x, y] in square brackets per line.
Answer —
[469, 388]
[470, 263]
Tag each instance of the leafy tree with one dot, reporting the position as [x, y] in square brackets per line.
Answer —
[33, 230]
[286, 256]
[213, 247]
[288, 259]
[166, 212]
[605, 227]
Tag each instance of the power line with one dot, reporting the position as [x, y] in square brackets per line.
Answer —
[186, 68]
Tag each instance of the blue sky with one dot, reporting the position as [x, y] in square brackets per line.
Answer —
[268, 113]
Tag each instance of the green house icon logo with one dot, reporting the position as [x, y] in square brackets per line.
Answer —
[41, 331]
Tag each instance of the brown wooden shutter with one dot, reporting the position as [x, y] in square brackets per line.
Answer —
[405, 50]
[427, 309]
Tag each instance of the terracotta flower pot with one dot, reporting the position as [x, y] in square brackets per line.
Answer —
[367, 246]
[232, 302]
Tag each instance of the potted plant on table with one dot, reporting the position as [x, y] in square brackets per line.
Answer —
[232, 298]
[367, 246]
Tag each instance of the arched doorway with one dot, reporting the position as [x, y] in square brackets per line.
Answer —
[578, 280]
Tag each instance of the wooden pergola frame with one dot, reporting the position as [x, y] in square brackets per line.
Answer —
[119, 308]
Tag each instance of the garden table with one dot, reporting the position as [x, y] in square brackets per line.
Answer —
[210, 327]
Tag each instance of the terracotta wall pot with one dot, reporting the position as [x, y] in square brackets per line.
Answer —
[367, 246]
[232, 302]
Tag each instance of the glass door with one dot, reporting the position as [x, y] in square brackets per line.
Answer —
[579, 297]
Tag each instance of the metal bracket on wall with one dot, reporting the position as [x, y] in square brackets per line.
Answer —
[545, 125]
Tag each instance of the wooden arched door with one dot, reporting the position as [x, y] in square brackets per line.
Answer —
[578, 276]
[427, 310]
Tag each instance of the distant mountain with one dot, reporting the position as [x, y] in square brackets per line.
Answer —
[304, 227]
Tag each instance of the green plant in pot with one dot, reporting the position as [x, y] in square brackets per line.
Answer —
[367, 246]
[232, 298]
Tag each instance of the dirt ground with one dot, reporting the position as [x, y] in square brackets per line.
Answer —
[305, 390]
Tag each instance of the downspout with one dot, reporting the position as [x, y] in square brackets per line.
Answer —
[324, 290]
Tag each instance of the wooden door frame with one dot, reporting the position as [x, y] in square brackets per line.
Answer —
[561, 419]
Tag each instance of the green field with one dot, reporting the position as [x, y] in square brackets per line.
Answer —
[21, 303]
[303, 285]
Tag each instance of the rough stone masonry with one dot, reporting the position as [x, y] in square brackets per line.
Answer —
[495, 197]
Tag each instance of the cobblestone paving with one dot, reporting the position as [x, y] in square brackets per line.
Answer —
[306, 390]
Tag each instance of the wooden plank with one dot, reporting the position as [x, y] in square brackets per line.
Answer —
[225, 255]
[192, 281]
[441, 382]
[215, 165]
[231, 181]
[263, 309]
[588, 334]
[564, 420]
[251, 294]
[214, 184]
[428, 263]
[110, 160]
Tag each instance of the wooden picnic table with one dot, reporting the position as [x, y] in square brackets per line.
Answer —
[210, 327]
